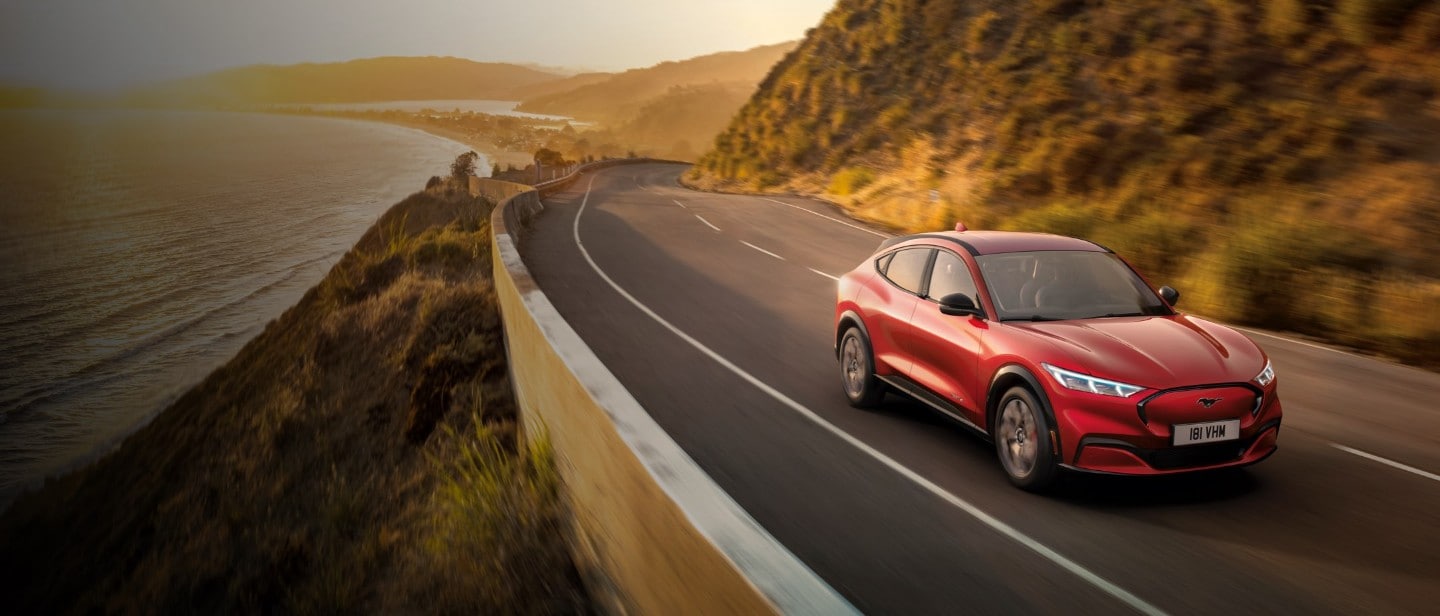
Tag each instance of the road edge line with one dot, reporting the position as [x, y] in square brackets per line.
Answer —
[1124, 596]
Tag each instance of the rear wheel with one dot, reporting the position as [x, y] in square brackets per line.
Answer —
[857, 370]
[1022, 441]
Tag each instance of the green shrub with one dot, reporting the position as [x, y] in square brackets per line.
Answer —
[1059, 218]
[850, 180]
[1365, 21]
[1279, 270]
[1158, 244]
[1285, 19]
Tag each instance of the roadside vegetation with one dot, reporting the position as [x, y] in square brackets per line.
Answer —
[1276, 161]
[360, 455]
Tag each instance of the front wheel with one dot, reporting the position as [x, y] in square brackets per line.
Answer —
[1022, 441]
[857, 370]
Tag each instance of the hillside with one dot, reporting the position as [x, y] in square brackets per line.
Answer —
[619, 98]
[682, 122]
[1278, 161]
[547, 88]
[361, 455]
[372, 79]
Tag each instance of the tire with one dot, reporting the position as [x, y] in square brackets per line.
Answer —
[857, 371]
[1022, 441]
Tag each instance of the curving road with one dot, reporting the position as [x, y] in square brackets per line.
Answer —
[715, 311]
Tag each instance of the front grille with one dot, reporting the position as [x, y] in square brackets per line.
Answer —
[1195, 455]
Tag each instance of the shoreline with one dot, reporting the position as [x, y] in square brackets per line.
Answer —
[495, 156]
[154, 357]
[369, 423]
[481, 143]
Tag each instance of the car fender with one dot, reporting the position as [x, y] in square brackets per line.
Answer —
[847, 318]
[1007, 375]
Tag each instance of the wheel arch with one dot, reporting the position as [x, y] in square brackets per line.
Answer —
[1011, 375]
[849, 319]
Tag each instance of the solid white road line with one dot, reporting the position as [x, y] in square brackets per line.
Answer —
[814, 213]
[994, 523]
[762, 250]
[835, 278]
[1404, 467]
[707, 223]
[681, 204]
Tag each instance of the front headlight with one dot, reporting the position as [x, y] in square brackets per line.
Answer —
[1266, 376]
[1085, 382]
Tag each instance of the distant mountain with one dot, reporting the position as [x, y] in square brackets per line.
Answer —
[1279, 159]
[619, 98]
[547, 88]
[372, 79]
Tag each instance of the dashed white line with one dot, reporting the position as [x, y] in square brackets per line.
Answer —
[682, 205]
[762, 250]
[830, 218]
[835, 278]
[707, 223]
[1370, 456]
[1124, 596]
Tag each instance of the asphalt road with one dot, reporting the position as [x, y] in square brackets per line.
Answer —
[725, 338]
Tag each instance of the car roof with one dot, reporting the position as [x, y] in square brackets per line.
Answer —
[994, 242]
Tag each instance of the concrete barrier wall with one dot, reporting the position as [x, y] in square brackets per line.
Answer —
[653, 533]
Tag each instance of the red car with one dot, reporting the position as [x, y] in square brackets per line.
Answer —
[1058, 351]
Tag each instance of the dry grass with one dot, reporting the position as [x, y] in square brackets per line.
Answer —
[358, 456]
[1198, 138]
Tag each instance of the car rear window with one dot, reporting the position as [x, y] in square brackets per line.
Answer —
[907, 268]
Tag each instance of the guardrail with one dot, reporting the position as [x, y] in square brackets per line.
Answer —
[653, 533]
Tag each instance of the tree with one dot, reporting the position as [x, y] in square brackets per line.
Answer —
[547, 157]
[464, 166]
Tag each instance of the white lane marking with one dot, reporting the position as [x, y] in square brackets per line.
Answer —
[707, 223]
[762, 250]
[994, 523]
[835, 278]
[831, 218]
[1370, 456]
[680, 204]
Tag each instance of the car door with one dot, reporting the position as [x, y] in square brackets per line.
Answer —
[896, 292]
[946, 349]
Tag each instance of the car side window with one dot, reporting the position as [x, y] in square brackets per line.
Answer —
[907, 268]
[883, 263]
[950, 275]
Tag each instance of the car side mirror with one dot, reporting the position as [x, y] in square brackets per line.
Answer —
[959, 305]
[1170, 295]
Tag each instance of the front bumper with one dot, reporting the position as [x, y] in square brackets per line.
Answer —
[1115, 457]
[1134, 437]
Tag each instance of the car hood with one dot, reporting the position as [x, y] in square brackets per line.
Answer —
[1155, 352]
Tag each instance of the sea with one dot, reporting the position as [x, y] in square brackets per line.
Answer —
[140, 250]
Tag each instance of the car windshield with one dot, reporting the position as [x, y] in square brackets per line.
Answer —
[1064, 284]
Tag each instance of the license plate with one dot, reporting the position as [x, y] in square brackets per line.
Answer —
[1207, 432]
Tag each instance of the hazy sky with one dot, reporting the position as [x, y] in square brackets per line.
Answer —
[107, 43]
